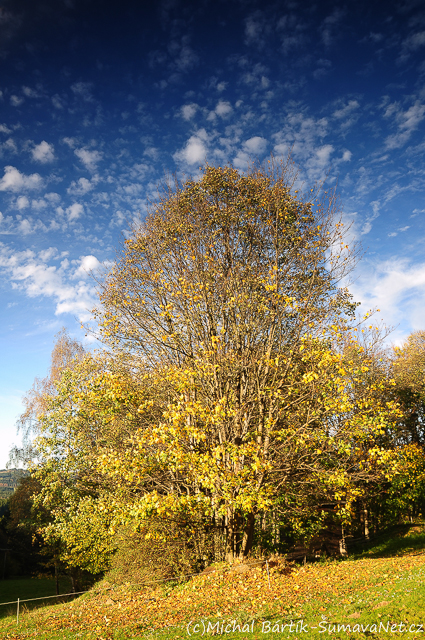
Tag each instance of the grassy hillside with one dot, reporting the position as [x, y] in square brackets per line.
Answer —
[9, 479]
[378, 593]
[25, 588]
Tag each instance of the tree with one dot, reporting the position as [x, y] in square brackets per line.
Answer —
[59, 444]
[87, 410]
[408, 368]
[227, 308]
[405, 487]
[65, 354]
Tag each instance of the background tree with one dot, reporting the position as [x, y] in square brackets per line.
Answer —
[404, 495]
[65, 354]
[408, 368]
[92, 407]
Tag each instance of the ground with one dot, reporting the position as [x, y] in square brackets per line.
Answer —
[376, 593]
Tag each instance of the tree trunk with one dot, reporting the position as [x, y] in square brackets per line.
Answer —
[57, 578]
[248, 536]
[240, 536]
[366, 525]
[74, 575]
[231, 539]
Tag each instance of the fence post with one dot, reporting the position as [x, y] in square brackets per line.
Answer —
[268, 574]
[17, 613]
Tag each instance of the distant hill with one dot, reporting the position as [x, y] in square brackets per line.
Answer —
[9, 479]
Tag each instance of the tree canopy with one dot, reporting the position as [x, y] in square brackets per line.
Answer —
[232, 384]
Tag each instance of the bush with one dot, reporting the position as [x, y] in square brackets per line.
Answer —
[160, 551]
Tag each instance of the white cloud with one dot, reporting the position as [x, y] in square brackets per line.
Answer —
[223, 108]
[47, 254]
[82, 186]
[52, 197]
[31, 93]
[256, 76]
[71, 142]
[30, 274]
[323, 154]
[301, 134]
[74, 211]
[195, 150]
[255, 29]
[184, 57]
[329, 26]
[14, 180]
[415, 41]
[151, 152]
[22, 203]
[416, 212]
[396, 287]
[412, 43]
[291, 31]
[38, 204]
[24, 227]
[376, 207]
[255, 145]
[83, 90]
[323, 68]
[88, 263]
[9, 145]
[57, 102]
[188, 111]
[319, 162]
[6, 225]
[407, 121]
[43, 152]
[343, 112]
[16, 101]
[305, 138]
[393, 234]
[89, 159]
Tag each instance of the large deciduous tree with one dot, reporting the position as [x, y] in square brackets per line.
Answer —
[227, 306]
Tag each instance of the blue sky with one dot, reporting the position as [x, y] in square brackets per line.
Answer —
[99, 101]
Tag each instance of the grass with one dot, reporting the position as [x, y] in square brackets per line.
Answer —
[378, 592]
[405, 539]
[26, 588]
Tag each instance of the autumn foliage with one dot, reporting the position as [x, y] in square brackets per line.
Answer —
[232, 399]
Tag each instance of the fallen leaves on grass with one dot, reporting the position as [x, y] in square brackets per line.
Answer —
[218, 595]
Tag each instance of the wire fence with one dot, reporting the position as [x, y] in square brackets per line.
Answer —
[264, 563]
[19, 601]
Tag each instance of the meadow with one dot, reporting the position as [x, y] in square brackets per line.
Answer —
[378, 591]
[28, 588]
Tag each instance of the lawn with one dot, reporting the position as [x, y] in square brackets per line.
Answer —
[26, 588]
[378, 592]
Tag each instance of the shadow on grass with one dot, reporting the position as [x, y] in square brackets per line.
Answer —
[25, 588]
[400, 540]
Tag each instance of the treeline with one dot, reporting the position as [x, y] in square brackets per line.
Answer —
[239, 405]
[9, 480]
